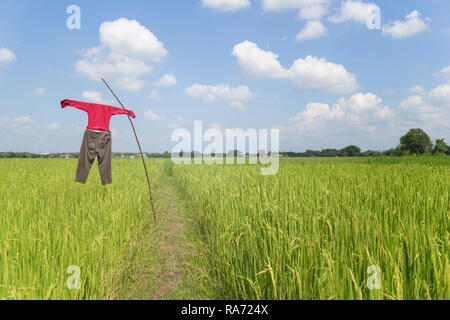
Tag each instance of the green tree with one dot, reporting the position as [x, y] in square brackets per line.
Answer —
[351, 151]
[416, 141]
[441, 147]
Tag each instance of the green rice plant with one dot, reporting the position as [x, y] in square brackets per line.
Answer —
[48, 223]
[314, 230]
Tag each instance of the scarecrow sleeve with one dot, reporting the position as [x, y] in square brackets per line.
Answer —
[115, 111]
[75, 104]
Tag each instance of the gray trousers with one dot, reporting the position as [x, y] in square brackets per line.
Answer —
[96, 144]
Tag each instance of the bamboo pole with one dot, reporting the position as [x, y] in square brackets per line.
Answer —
[140, 150]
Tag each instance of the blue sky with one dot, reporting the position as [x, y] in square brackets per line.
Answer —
[229, 63]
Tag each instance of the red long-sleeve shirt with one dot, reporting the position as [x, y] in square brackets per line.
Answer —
[99, 114]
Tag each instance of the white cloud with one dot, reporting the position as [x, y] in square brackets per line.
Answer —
[313, 29]
[129, 37]
[258, 63]
[322, 125]
[440, 96]
[150, 115]
[428, 110]
[54, 126]
[238, 105]
[22, 120]
[306, 74]
[313, 12]
[368, 104]
[39, 91]
[168, 80]
[445, 73]
[226, 5]
[404, 29]
[222, 92]
[6, 57]
[308, 9]
[93, 96]
[27, 124]
[279, 5]
[353, 10]
[359, 110]
[319, 74]
[154, 95]
[123, 55]
[122, 70]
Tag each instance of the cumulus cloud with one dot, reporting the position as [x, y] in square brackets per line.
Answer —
[258, 63]
[222, 92]
[150, 115]
[353, 10]
[407, 28]
[313, 29]
[308, 9]
[360, 115]
[440, 96]
[54, 126]
[306, 73]
[429, 110]
[129, 37]
[125, 51]
[445, 73]
[279, 5]
[226, 5]
[94, 96]
[21, 120]
[364, 115]
[168, 80]
[313, 12]
[6, 57]
[39, 91]
[319, 74]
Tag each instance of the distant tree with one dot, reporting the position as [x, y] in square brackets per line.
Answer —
[441, 147]
[330, 153]
[416, 141]
[371, 153]
[395, 152]
[351, 151]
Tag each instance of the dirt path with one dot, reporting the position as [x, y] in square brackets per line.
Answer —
[169, 261]
[180, 272]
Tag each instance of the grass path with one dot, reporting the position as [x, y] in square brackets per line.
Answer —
[173, 265]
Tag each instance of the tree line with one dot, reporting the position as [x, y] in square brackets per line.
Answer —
[415, 142]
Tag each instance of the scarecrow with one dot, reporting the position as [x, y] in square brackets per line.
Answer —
[97, 139]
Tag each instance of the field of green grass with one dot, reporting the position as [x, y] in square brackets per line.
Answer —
[313, 230]
[49, 223]
[309, 232]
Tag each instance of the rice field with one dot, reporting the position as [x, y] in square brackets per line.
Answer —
[315, 230]
[311, 232]
[49, 223]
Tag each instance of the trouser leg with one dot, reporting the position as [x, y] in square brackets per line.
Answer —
[104, 159]
[86, 159]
